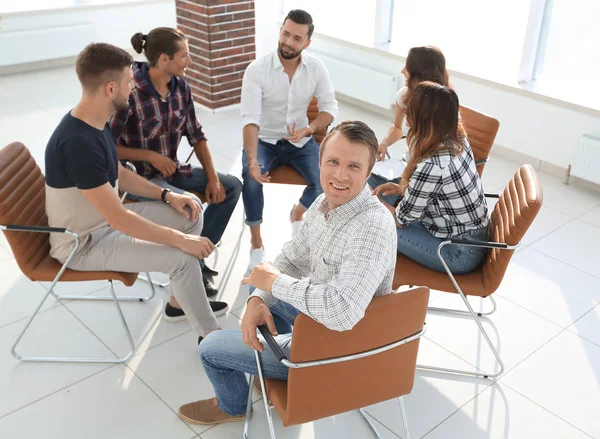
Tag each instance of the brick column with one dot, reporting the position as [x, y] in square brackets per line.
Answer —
[221, 40]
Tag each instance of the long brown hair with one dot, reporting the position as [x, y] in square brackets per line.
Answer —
[425, 63]
[432, 114]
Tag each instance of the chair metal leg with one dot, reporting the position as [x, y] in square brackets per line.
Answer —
[76, 359]
[404, 420]
[248, 407]
[367, 418]
[103, 298]
[481, 330]
[461, 312]
[148, 279]
[268, 406]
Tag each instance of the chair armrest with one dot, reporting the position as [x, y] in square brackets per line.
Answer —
[279, 354]
[481, 161]
[38, 229]
[484, 244]
[490, 195]
[282, 358]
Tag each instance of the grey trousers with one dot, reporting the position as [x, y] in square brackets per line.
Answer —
[110, 250]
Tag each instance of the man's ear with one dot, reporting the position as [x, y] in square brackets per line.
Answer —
[307, 44]
[110, 88]
[163, 58]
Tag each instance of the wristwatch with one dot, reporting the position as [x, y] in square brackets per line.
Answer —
[163, 195]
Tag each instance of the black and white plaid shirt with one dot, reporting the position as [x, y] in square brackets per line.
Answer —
[445, 193]
[338, 261]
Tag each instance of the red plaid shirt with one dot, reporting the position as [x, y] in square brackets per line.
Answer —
[157, 124]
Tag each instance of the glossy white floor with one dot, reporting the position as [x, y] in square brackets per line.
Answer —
[547, 325]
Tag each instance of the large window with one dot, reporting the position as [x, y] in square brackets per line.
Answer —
[568, 50]
[551, 46]
[348, 21]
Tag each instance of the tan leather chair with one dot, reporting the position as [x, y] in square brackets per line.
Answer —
[324, 365]
[512, 216]
[481, 132]
[285, 174]
[25, 224]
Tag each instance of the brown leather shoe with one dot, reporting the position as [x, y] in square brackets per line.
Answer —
[206, 412]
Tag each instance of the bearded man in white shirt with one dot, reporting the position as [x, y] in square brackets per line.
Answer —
[276, 91]
[343, 256]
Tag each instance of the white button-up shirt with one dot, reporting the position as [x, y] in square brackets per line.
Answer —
[271, 101]
[337, 262]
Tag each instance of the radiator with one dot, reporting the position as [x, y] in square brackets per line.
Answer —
[367, 85]
[49, 43]
[587, 159]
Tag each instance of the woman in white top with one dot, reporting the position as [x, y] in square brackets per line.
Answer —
[424, 63]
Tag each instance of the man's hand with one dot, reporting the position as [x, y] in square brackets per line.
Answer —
[162, 164]
[263, 276]
[254, 171]
[180, 202]
[296, 135]
[215, 193]
[198, 246]
[257, 314]
[387, 189]
[381, 152]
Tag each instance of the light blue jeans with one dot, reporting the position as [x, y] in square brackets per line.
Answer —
[226, 360]
[418, 244]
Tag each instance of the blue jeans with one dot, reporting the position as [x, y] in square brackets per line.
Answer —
[216, 216]
[284, 314]
[305, 160]
[226, 360]
[418, 244]
[375, 180]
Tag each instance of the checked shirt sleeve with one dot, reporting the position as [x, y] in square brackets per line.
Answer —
[424, 184]
[193, 128]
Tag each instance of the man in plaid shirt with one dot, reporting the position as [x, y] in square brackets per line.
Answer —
[161, 111]
[343, 255]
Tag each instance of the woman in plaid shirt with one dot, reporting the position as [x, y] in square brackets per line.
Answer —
[441, 193]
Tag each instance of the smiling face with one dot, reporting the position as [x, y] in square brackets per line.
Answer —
[181, 60]
[345, 168]
[293, 39]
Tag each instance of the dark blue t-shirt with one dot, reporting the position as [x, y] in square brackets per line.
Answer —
[79, 155]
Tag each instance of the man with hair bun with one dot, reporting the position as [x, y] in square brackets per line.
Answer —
[160, 112]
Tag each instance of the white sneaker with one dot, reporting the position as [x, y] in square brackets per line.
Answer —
[256, 257]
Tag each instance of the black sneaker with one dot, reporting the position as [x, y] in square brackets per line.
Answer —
[219, 308]
[210, 271]
[209, 285]
[173, 314]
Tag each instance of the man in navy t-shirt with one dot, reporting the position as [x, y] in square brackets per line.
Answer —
[83, 177]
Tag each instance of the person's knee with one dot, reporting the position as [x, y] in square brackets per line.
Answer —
[212, 346]
[233, 187]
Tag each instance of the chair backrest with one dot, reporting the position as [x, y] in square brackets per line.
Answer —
[512, 216]
[322, 391]
[23, 202]
[312, 113]
[481, 132]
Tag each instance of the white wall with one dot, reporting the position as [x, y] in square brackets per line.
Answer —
[114, 24]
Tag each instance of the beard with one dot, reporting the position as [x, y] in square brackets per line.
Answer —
[288, 55]
[122, 103]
